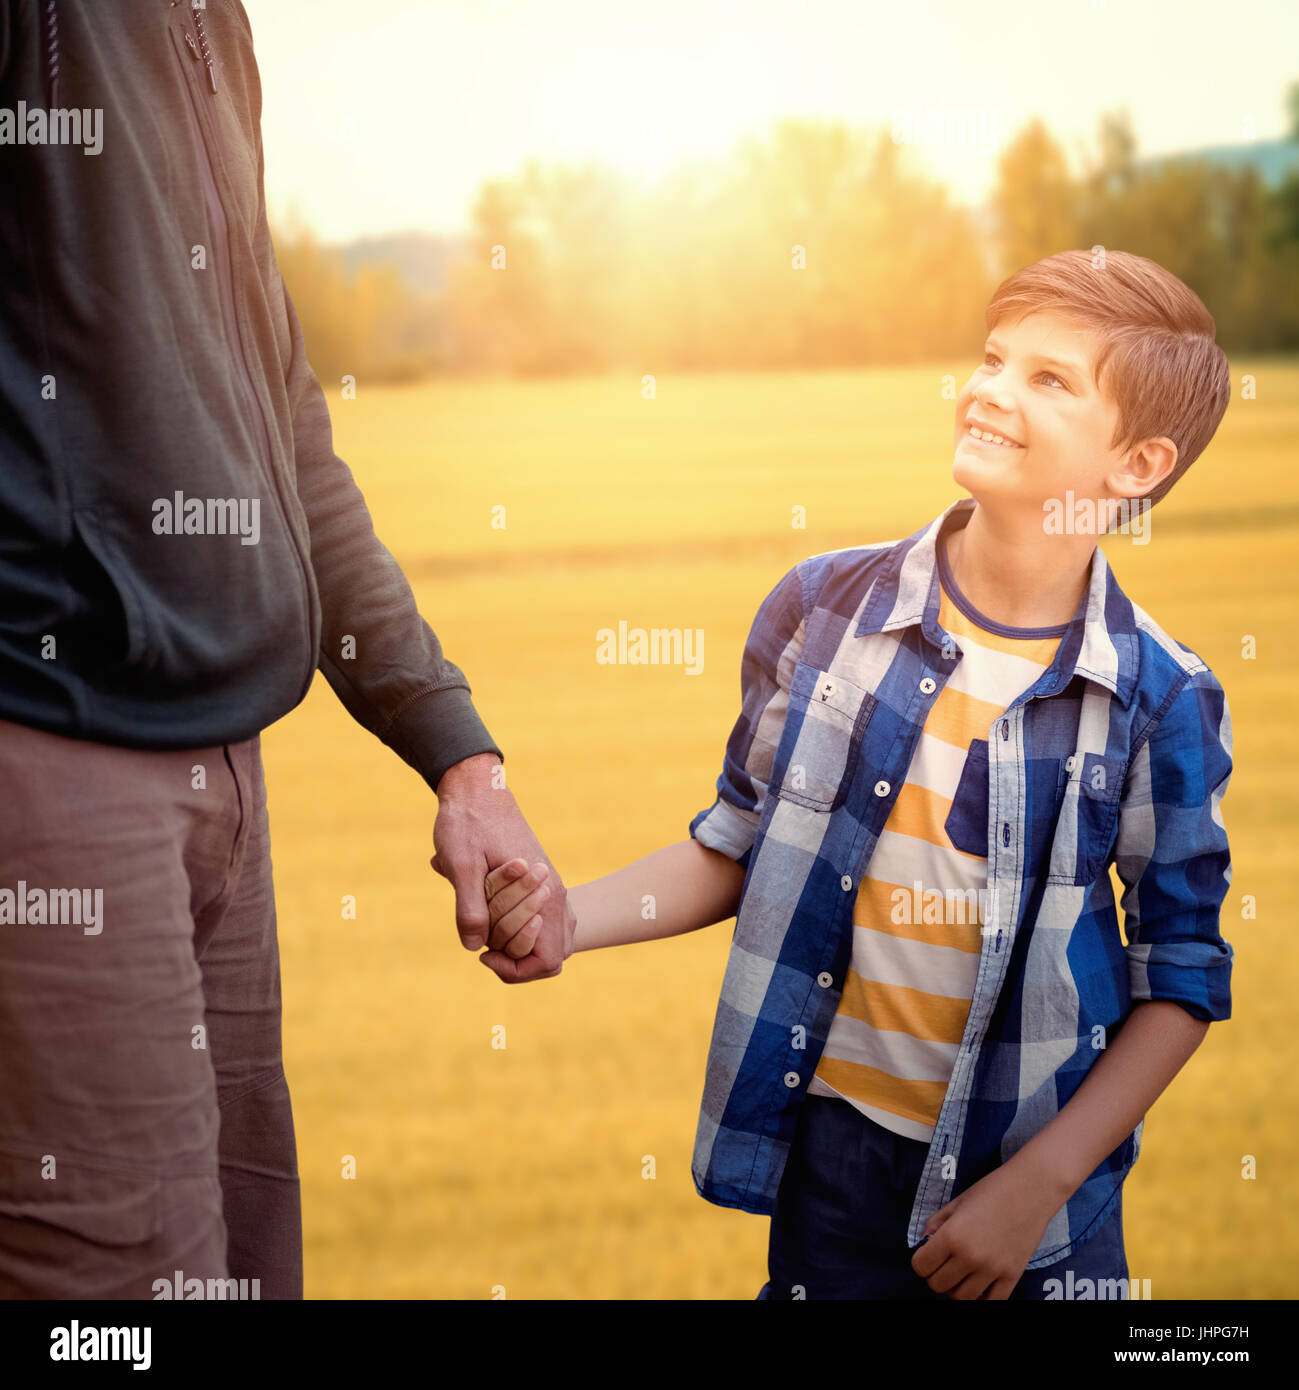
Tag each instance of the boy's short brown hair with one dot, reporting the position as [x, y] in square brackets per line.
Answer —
[1163, 368]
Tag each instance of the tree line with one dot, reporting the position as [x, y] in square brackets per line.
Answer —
[816, 246]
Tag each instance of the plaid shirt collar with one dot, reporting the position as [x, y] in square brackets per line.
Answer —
[1100, 644]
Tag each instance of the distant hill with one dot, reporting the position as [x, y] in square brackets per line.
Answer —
[1273, 159]
[421, 258]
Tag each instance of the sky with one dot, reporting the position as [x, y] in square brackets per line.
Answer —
[387, 115]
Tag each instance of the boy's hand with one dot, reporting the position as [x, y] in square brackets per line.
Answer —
[979, 1244]
[515, 895]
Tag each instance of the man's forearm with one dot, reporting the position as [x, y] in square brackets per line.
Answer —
[1153, 1045]
[676, 889]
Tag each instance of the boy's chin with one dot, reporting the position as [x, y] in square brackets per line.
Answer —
[989, 483]
[979, 475]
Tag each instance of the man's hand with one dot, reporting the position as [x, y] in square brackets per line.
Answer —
[478, 828]
[980, 1243]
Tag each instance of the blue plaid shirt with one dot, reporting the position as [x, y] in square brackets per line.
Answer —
[1120, 753]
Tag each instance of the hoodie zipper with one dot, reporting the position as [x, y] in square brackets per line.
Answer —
[229, 313]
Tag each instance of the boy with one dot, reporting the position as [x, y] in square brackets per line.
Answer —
[933, 1051]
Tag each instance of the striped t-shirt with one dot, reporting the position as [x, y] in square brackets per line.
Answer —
[920, 904]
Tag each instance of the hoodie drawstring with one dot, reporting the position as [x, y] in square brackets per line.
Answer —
[203, 48]
[50, 21]
[52, 51]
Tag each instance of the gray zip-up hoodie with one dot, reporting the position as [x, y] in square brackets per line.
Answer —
[180, 547]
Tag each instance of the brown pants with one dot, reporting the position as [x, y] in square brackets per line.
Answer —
[146, 1132]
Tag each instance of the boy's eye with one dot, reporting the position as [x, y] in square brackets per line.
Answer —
[990, 357]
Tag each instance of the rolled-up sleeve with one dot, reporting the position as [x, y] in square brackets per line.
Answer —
[775, 640]
[1172, 854]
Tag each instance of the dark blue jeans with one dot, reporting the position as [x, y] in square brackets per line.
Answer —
[840, 1227]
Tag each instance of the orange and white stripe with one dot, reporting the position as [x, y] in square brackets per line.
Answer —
[894, 1040]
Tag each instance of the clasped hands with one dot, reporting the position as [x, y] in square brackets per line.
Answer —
[482, 843]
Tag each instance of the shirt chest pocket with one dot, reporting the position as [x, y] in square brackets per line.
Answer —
[1088, 821]
[1040, 783]
[821, 743]
[967, 821]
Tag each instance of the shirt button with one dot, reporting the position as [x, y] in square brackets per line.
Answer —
[825, 979]
[928, 685]
[792, 1079]
[1069, 762]
[845, 883]
[827, 687]
[882, 788]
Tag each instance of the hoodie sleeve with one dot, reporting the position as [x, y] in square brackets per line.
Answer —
[399, 684]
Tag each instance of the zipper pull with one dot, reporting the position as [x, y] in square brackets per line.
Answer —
[203, 47]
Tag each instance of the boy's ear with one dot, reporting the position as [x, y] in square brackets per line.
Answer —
[1146, 466]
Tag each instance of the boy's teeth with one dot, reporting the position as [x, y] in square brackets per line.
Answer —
[992, 438]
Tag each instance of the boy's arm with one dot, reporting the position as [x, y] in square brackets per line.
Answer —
[1154, 1044]
[1173, 858]
[980, 1243]
[678, 888]
[1172, 855]
[698, 881]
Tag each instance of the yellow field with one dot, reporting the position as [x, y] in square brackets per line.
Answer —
[480, 1169]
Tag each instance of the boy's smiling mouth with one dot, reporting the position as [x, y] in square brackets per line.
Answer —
[984, 434]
